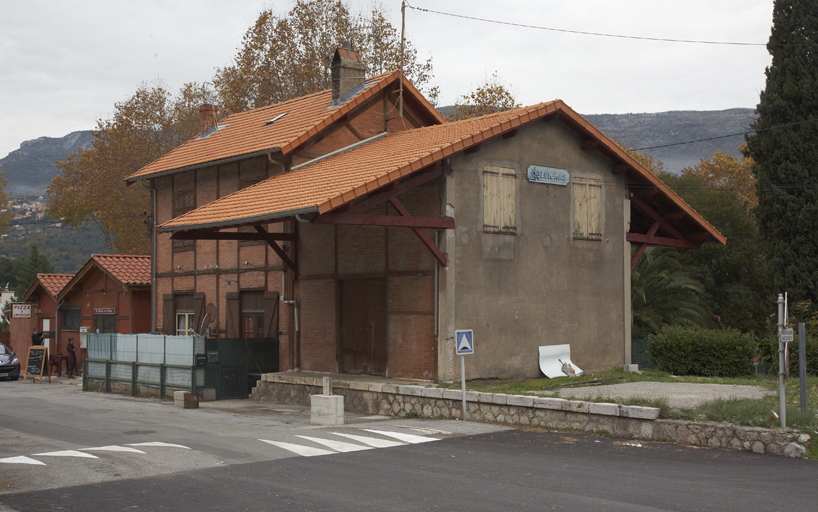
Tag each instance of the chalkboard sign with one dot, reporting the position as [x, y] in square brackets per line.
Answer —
[37, 365]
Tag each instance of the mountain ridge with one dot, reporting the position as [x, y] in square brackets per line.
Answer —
[665, 136]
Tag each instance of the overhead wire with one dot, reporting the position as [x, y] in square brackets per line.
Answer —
[597, 34]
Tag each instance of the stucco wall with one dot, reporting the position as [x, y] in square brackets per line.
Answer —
[539, 286]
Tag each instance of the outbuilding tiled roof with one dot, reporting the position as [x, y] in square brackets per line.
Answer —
[128, 269]
[248, 133]
[52, 283]
[125, 269]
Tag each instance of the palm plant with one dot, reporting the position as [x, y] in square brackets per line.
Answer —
[663, 292]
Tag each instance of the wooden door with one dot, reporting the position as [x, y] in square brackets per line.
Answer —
[363, 326]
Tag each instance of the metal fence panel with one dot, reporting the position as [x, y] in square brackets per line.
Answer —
[148, 374]
[99, 346]
[151, 348]
[121, 371]
[125, 347]
[96, 370]
[639, 353]
[179, 350]
[177, 377]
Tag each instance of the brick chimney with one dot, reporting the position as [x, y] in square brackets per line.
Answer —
[207, 117]
[348, 72]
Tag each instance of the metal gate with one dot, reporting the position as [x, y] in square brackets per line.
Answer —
[235, 364]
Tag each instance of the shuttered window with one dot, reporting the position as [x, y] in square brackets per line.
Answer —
[499, 200]
[587, 208]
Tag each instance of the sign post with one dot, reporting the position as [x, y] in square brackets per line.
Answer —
[464, 344]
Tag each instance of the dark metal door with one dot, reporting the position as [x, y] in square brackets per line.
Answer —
[363, 326]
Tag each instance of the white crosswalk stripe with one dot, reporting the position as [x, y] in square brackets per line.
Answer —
[371, 441]
[338, 446]
[21, 460]
[67, 453]
[400, 436]
[305, 451]
[112, 449]
[366, 442]
[160, 444]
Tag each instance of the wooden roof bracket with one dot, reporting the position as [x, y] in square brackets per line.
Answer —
[424, 238]
[276, 248]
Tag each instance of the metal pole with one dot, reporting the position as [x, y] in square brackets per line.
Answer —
[781, 369]
[802, 364]
[463, 382]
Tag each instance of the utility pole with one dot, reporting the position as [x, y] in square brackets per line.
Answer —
[781, 370]
[402, 39]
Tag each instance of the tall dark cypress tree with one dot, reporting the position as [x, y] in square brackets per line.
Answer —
[787, 157]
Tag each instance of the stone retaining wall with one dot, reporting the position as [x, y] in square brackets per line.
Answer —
[620, 420]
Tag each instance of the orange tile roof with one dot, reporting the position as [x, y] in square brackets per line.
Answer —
[128, 269]
[53, 284]
[247, 133]
[329, 182]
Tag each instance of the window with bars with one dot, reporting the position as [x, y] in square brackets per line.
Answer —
[499, 200]
[587, 209]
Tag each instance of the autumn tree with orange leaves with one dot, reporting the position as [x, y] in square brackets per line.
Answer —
[280, 58]
[90, 186]
[490, 97]
[728, 173]
[284, 57]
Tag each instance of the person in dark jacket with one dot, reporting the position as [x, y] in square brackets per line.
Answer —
[72, 359]
[37, 338]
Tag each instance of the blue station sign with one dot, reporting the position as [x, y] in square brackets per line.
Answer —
[551, 176]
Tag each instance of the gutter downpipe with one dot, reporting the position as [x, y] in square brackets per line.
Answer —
[294, 341]
[294, 303]
[153, 255]
[57, 324]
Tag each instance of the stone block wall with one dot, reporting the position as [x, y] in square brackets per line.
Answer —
[620, 420]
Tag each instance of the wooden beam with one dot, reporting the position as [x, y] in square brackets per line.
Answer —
[637, 200]
[196, 234]
[675, 216]
[277, 249]
[511, 133]
[647, 193]
[662, 241]
[386, 220]
[392, 190]
[637, 255]
[473, 149]
[424, 238]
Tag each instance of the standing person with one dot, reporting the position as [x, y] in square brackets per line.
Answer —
[37, 338]
[72, 359]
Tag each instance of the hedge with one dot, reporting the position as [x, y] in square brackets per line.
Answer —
[768, 350]
[712, 353]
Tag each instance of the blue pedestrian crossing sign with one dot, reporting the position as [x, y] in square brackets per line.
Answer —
[464, 342]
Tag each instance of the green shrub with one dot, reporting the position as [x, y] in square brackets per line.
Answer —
[712, 353]
[768, 349]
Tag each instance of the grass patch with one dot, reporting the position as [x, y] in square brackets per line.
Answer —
[740, 411]
[756, 413]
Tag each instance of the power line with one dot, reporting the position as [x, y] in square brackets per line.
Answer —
[727, 136]
[598, 34]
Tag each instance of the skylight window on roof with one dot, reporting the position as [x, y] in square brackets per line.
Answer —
[211, 131]
[276, 118]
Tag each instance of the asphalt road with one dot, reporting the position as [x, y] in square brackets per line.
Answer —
[229, 461]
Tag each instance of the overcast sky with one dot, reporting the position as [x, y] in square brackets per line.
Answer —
[65, 63]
